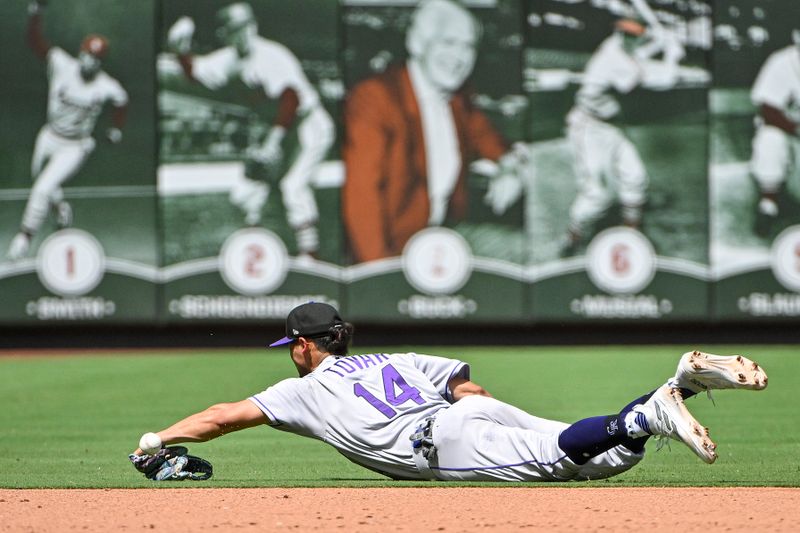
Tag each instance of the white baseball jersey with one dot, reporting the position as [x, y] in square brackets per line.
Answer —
[778, 82]
[365, 406]
[269, 66]
[74, 103]
[610, 68]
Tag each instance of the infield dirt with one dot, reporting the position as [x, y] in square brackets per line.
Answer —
[447, 509]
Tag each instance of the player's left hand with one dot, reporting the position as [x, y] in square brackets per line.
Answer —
[171, 463]
[506, 186]
[270, 153]
[114, 135]
[504, 190]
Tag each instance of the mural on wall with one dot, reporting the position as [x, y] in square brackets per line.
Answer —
[78, 219]
[249, 175]
[755, 180]
[433, 123]
[481, 161]
[616, 213]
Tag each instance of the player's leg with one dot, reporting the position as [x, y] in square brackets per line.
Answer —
[315, 136]
[631, 181]
[590, 148]
[663, 411]
[484, 439]
[768, 166]
[62, 164]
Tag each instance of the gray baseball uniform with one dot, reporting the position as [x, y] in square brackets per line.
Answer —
[369, 406]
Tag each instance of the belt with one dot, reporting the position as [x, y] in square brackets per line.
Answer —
[423, 448]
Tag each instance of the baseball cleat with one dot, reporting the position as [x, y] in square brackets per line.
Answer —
[698, 371]
[19, 246]
[63, 213]
[667, 417]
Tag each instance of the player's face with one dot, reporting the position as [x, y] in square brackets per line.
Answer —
[449, 57]
[240, 38]
[89, 64]
[632, 42]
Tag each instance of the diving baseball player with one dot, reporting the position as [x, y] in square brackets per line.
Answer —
[608, 167]
[776, 146]
[77, 92]
[269, 67]
[415, 416]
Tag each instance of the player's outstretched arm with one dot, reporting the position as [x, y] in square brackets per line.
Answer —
[36, 39]
[213, 422]
[461, 388]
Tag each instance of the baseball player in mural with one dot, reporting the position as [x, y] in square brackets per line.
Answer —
[269, 67]
[608, 167]
[776, 95]
[77, 91]
[415, 416]
[411, 132]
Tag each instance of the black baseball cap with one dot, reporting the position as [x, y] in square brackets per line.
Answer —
[313, 319]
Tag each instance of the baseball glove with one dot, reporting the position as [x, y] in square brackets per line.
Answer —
[172, 463]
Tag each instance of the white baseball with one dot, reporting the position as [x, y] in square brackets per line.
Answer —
[150, 443]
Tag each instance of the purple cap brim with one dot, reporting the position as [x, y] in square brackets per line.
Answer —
[285, 340]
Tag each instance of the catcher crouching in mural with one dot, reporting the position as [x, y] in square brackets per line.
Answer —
[77, 91]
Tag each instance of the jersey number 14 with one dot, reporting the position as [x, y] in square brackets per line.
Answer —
[392, 382]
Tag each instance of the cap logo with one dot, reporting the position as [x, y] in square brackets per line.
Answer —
[295, 332]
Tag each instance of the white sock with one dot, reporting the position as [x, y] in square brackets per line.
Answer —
[636, 424]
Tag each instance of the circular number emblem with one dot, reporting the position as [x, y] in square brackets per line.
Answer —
[70, 262]
[786, 258]
[621, 261]
[437, 261]
[253, 261]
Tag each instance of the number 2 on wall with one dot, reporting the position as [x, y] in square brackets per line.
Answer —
[392, 380]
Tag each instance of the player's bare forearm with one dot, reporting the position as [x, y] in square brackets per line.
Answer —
[213, 422]
[461, 388]
[119, 116]
[36, 39]
[775, 117]
[187, 65]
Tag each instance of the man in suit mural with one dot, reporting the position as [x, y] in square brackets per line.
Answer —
[411, 133]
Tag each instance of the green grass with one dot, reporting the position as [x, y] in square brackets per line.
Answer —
[70, 421]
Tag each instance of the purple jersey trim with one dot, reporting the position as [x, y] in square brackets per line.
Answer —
[273, 419]
[497, 467]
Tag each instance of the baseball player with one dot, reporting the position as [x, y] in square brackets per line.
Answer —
[415, 416]
[776, 95]
[269, 67]
[608, 167]
[77, 92]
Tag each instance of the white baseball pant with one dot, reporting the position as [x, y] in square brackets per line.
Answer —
[481, 438]
[773, 153]
[608, 169]
[316, 135]
[55, 160]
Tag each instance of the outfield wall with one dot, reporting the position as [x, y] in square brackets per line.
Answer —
[184, 222]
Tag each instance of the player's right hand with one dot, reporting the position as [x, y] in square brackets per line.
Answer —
[35, 6]
[114, 135]
[179, 36]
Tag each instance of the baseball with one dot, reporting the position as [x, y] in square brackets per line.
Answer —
[150, 443]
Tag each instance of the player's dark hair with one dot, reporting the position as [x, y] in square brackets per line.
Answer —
[337, 341]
